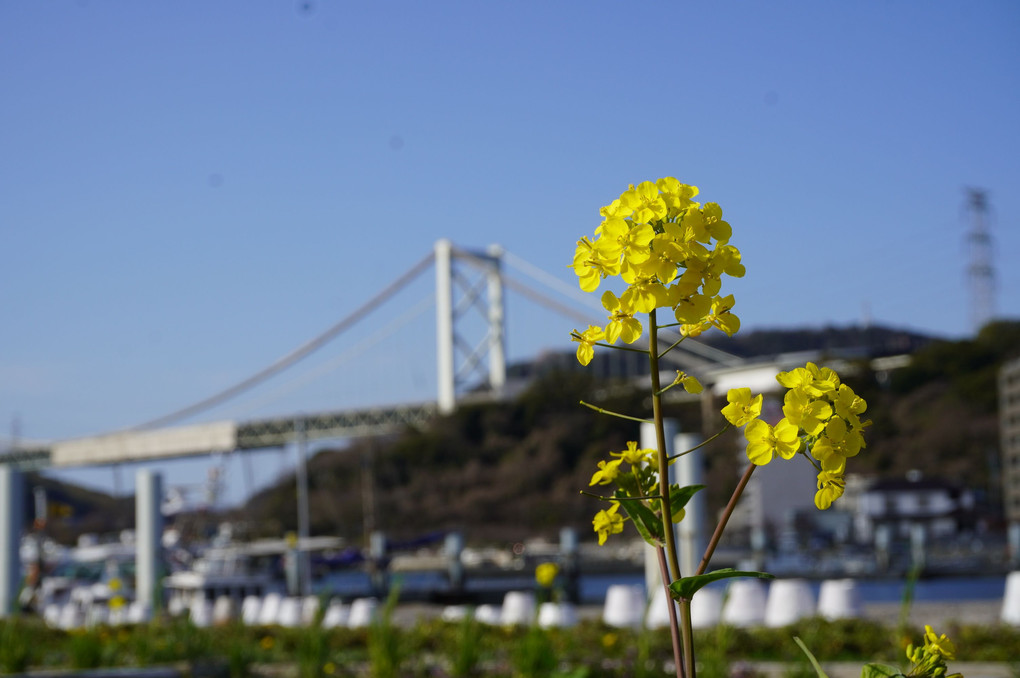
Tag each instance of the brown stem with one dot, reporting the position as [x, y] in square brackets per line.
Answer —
[727, 512]
[674, 627]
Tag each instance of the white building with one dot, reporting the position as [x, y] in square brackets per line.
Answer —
[941, 507]
[1009, 423]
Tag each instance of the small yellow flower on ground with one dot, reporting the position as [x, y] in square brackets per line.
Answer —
[545, 574]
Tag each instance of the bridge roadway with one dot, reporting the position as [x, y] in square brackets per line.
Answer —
[136, 445]
[228, 436]
[224, 436]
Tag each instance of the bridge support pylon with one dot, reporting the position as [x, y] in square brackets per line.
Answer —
[483, 294]
[148, 538]
[12, 489]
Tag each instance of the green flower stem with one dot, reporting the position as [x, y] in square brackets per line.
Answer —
[614, 414]
[687, 669]
[699, 445]
[727, 512]
[818, 467]
[604, 498]
[672, 346]
[688, 637]
[618, 348]
[666, 388]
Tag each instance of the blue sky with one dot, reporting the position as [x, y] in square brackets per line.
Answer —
[189, 190]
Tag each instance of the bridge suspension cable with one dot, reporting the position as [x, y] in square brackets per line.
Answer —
[294, 356]
[368, 342]
[692, 346]
[538, 275]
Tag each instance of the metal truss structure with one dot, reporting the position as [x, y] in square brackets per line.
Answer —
[345, 424]
[483, 294]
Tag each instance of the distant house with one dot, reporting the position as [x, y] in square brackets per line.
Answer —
[942, 507]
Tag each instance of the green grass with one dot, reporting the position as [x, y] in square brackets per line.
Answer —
[436, 648]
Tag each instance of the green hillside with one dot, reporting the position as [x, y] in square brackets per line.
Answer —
[509, 471]
[514, 470]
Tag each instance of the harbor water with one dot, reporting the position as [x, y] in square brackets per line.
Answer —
[593, 588]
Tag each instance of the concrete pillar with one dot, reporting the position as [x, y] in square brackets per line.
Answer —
[453, 549]
[1013, 537]
[883, 539]
[304, 563]
[12, 508]
[570, 557]
[653, 577]
[918, 545]
[378, 568]
[292, 565]
[497, 321]
[148, 538]
[693, 530]
[447, 398]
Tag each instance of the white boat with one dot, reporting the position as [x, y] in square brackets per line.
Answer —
[227, 571]
[235, 572]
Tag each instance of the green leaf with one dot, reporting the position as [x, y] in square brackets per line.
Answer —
[811, 658]
[686, 587]
[645, 520]
[679, 496]
[879, 671]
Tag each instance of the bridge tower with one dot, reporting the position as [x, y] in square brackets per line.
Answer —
[477, 287]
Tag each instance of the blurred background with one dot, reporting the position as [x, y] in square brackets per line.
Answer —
[191, 191]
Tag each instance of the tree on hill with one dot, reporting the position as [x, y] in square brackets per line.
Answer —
[512, 470]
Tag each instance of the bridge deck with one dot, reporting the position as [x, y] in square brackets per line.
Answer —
[184, 441]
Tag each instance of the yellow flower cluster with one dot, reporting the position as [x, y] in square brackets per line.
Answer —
[639, 479]
[930, 658]
[821, 416]
[670, 251]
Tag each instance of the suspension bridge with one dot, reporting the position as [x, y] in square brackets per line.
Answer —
[471, 365]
